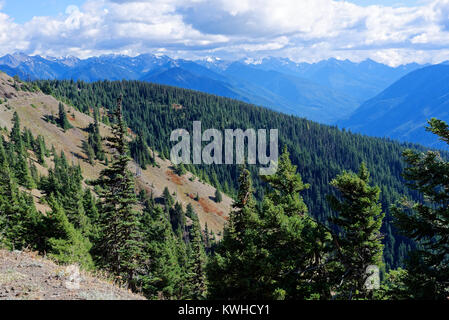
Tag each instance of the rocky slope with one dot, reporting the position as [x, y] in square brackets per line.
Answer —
[27, 276]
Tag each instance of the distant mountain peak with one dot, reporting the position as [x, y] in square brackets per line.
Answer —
[252, 61]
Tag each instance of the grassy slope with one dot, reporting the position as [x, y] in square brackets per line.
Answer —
[32, 107]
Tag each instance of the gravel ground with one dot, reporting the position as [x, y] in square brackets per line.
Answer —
[27, 276]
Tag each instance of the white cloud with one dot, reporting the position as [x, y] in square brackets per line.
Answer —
[299, 29]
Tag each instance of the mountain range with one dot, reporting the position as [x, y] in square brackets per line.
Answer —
[400, 111]
[327, 91]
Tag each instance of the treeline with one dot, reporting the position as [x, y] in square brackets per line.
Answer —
[320, 152]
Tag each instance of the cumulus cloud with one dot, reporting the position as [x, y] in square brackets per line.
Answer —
[299, 29]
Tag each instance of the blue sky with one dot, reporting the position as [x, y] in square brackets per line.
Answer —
[24, 10]
[393, 32]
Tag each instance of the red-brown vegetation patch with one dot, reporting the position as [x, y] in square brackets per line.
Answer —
[209, 207]
[174, 177]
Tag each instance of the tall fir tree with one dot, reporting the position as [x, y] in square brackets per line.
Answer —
[294, 243]
[234, 270]
[196, 278]
[120, 244]
[359, 219]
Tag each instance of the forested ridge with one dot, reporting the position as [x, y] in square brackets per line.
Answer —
[320, 152]
[276, 243]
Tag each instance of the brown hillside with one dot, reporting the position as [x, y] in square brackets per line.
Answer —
[32, 109]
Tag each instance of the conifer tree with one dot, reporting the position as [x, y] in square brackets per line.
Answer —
[22, 171]
[63, 121]
[427, 222]
[359, 221]
[177, 219]
[180, 169]
[121, 240]
[94, 146]
[140, 152]
[234, 270]
[196, 278]
[190, 212]
[218, 196]
[162, 274]
[16, 136]
[293, 241]
[67, 245]
[10, 224]
[40, 149]
[168, 200]
[20, 224]
[18, 155]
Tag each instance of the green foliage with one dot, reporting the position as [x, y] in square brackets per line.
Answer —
[233, 270]
[394, 286]
[64, 182]
[120, 244]
[93, 146]
[320, 152]
[69, 246]
[168, 199]
[20, 223]
[180, 169]
[62, 121]
[196, 269]
[426, 221]
[163, 274]
[292, 268]
[140, 152]
[218, 196]
[18, 156]
[359, 218]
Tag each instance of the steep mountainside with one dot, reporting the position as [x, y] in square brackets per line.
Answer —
[360, 81]
[294, 95]
[180, 77]
[400, 111]
[320, 152]
[32, 109]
